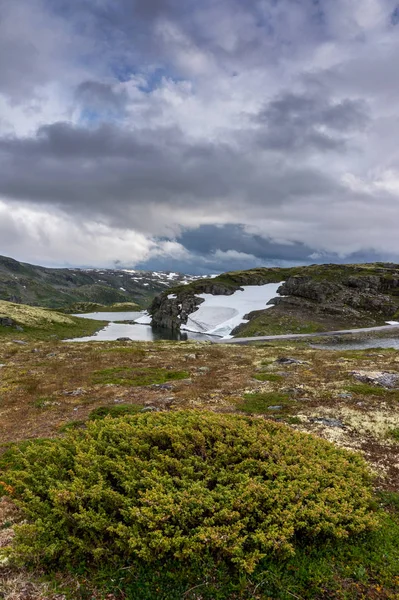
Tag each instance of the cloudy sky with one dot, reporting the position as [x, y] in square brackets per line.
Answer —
[199, 136]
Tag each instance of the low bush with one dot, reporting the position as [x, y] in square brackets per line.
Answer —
[184, 486]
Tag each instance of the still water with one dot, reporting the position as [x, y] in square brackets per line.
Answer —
[392, 342]
[142, 333]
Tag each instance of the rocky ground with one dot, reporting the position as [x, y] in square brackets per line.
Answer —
[348, 397]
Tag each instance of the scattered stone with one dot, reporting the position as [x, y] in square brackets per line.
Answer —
[345, 396]
[277, 407]
[7, 322]
[19, 328]
[287, 360]
[34, 350]
[51, 354]
[327, 422]
[77, 392]
[149, 409]
[190, 356]
[162, 386]
[21, 342]
[2, 365]
[380, 378]
[203, 369]
[124, 339]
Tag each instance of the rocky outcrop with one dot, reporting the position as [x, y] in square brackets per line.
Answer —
[341, 295]
[352, 295]
[172, 312]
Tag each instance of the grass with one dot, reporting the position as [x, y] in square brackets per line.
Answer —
[260, 403]
[394, 434]
[137, 376]
[119, 410]
[365, 389]
[273, 322]
[268, 377]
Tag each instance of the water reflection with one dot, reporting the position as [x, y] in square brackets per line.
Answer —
[142, 333]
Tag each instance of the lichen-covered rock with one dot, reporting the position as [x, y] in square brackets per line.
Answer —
[380, 378]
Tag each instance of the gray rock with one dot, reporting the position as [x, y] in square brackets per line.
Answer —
[203, 369]
[287, 360]
[162, 386]
[190, 356]
[327, 422]
[382, 379]
[124, 339]
[277, 407]
[77, 392]
[149, 409]
[7, 322]
[21, 342]
[345, 396]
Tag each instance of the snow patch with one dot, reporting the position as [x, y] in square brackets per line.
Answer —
[171, 296]
[144, 320]
[219, 315]
[392, 322]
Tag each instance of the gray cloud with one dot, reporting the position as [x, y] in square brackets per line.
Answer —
[215, 132]
[309, 122]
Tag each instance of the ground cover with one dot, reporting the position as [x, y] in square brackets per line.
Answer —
[48, 388]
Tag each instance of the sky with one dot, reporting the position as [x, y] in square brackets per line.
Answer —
[199, 136]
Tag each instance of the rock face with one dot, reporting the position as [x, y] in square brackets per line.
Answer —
[347, 297]
[171, 313]
[341, 295]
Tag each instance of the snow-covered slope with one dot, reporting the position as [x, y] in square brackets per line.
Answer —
[219, 315]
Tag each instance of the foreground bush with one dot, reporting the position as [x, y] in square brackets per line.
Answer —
[184, 485]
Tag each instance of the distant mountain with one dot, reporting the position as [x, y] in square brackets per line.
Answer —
[60, 288]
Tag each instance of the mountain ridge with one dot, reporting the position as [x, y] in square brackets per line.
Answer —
[59, 288]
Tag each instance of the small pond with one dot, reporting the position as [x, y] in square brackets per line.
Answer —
[391, 342]
[141, 333]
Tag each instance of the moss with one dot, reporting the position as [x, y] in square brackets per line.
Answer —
[268, 377]
[119, 410]
[394, 434]
[260, 403]
[273, 322]
[364, 389]
[137, 376]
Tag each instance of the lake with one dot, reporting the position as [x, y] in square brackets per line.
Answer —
[140, 333]
[392, 342]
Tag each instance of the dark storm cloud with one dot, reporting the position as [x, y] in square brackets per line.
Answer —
[108, 169]
[309, 122]
[207, 239]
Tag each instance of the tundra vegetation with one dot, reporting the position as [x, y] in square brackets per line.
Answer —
[185, 470]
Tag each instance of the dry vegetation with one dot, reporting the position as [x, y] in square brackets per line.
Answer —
[47, 386]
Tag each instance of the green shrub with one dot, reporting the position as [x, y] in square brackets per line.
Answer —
[184, 486]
